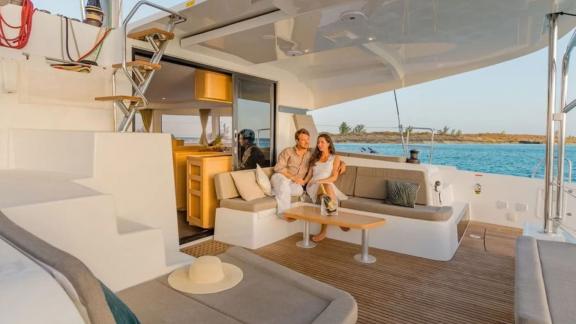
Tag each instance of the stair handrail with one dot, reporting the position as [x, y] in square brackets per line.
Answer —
[176, 18]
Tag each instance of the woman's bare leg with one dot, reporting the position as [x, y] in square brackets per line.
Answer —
[330, 191]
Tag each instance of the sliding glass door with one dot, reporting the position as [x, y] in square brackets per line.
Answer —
[254, 116]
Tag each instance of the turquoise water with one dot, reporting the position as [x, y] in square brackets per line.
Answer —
[510, 159]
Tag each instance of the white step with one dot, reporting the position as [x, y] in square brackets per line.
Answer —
[25, 187]
[121, 254]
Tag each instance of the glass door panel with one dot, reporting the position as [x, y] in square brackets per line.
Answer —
[254, 107]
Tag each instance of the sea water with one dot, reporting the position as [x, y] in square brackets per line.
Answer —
[510, 159]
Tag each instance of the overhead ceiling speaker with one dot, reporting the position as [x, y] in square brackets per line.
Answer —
[353, 16]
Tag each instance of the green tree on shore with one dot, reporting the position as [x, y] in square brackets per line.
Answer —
[444, 130]
[344, 128]
[359, 129]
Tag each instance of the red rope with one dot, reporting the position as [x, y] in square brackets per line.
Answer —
[25, 27]
[98, 43]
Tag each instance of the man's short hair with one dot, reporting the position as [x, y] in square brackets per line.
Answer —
[300, 132]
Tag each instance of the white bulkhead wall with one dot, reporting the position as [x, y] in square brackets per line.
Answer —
[34, 95]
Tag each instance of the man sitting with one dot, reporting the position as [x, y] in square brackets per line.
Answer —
[291, 169]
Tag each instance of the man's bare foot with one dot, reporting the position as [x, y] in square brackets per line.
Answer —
[319, 237]
[344, 229]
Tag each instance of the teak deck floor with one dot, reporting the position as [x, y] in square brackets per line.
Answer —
[476, 286]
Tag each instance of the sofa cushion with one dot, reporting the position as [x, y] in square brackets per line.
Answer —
[122, 314]
[268, 293]
[557, 260]
[371, 182]
[263, 181]
[247, 186]
[254, 206]
[224, 184]
[85, 283]
[347, 180]
[401, 193]
[531, 303]
[430, 213]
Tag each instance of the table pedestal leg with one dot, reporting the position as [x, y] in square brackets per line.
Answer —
[306, 243]
[364, 257]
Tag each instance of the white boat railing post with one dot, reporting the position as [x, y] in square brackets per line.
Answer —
[552, 20]
[564, 109]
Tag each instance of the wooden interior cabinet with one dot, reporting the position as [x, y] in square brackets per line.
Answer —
[201, 195]
[180, 155]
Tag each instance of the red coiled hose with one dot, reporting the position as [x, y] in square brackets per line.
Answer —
[25, 27]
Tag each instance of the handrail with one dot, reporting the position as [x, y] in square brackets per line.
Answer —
[541, 161]
[131, 14]
[431, 145]
[561, 118]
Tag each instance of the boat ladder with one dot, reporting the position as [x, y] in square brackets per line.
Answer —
[140, 72]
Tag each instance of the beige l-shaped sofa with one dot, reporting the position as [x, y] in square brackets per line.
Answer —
[427, 230]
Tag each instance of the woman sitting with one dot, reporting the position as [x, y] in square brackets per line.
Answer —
[324, 166]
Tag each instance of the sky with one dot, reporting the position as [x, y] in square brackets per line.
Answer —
[509, 97]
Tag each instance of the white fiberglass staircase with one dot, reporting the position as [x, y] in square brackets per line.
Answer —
[125, 233]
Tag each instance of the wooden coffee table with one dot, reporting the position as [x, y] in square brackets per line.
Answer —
[309, 213]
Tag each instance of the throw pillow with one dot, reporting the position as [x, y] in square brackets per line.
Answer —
[122, 314]
[247, 186]
[401, 193]
[263, 181]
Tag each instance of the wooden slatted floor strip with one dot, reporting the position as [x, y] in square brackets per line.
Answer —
[476, 286]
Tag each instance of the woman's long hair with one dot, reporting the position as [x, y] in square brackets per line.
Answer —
[317, 154]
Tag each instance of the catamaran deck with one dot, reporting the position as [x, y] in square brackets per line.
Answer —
[477, 286]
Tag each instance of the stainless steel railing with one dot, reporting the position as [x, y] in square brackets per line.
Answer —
[561, 118]
[430, 146]
[540, 162]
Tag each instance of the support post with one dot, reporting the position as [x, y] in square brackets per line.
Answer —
[364, 256]
[548, 176]
[306, 243]
[562, 137]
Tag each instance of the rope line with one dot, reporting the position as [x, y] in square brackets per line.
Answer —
[24, 30]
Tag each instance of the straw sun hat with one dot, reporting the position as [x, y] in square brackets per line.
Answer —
[206, 275]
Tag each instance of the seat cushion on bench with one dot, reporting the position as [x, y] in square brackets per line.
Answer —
[371, 182]
[545, 281]
[268, 293]
[429, 213]
[531, 304]
[255, 205]
[347, 180]
[558, 260]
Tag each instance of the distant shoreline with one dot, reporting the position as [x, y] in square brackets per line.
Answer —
[419, 138]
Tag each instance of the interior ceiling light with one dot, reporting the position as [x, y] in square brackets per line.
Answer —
[370, 38]
[353, 16]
